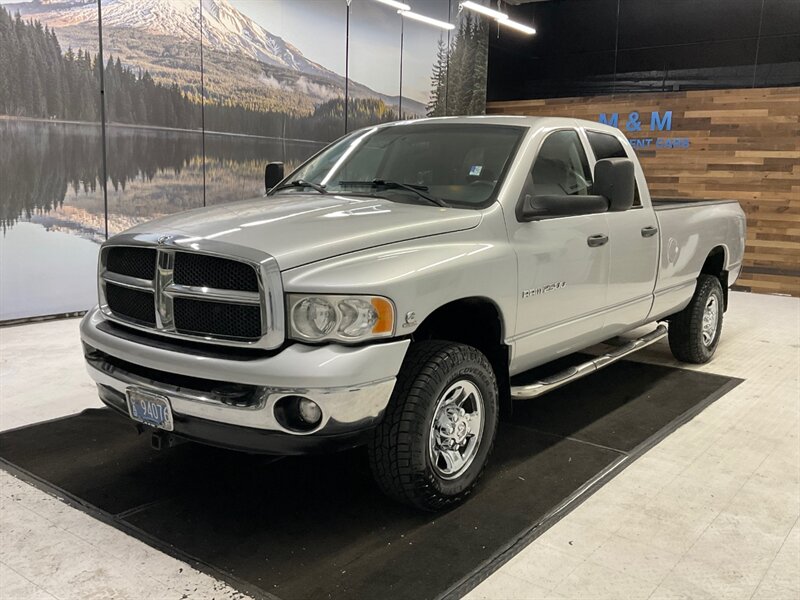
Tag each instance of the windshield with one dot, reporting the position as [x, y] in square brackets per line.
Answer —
[427, 163]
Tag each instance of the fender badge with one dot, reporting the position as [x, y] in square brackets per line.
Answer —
[544, 289]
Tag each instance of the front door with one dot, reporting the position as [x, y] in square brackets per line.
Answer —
[633, 246]
[563, 264]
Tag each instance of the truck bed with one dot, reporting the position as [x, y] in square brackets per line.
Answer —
[665, 203]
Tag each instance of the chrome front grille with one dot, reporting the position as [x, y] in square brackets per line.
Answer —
[198, 293]
[129, 303]
[223, 319]
[202, 270]
[133, 262]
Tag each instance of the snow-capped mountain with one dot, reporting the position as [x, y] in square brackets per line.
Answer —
[159, 35]
[224, 27]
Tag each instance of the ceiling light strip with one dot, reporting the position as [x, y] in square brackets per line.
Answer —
[484, 10]
[395, 4]
[428, 20]
[498, 16]
[517, 26]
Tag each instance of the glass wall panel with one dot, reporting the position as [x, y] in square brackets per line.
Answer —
[51, 201]
[424, 50]
[153, 109]
[273, 75]
[374, 86]
[467, 63]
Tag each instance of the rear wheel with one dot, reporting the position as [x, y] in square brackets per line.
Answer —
[439, 427]
[694, 332]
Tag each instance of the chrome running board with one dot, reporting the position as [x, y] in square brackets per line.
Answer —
[537, 388]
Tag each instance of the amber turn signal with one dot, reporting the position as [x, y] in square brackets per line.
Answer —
[385, 312]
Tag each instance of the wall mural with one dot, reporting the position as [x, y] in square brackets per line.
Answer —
[199, 95]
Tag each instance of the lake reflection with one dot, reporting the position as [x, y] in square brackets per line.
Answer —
[51, 173]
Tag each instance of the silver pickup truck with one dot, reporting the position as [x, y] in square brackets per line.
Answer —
[388, 291]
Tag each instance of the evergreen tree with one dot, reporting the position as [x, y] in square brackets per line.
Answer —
[436, 105]
[6, 65]
[458, 78]
[480, 43]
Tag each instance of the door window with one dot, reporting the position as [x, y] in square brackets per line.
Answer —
[561, 167]
[605, 145]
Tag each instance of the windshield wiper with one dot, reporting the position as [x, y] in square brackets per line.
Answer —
[302, 183]
[419, 190]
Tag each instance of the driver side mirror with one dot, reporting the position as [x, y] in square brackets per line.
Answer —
[614, 179]
[613, 190]
[273, 175]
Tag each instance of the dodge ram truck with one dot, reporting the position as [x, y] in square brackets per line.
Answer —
[391, 289]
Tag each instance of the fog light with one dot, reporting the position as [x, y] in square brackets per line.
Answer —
[297, 413]
[309, 411]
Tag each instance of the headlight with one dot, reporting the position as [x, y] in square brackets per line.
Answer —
[315, 318]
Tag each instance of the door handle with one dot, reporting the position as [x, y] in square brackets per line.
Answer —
[649, 231]
[597, 240]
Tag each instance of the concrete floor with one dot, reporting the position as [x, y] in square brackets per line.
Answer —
[710, 512]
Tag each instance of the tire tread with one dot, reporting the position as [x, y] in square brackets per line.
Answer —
[686, 327]
[392, 446]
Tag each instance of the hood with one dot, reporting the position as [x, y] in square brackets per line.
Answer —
[298, 229]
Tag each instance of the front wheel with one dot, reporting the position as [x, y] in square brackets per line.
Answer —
[439, 427]
[694, 332]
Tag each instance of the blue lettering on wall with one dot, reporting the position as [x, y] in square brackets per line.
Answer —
[633, 123]
[613, 120]
[641, 142]
[672, 143]
[659, 121]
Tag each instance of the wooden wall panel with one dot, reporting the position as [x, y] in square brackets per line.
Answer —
[743, 144]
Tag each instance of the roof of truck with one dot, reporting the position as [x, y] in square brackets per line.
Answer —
[517, 120]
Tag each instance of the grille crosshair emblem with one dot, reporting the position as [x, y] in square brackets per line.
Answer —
[165, 314]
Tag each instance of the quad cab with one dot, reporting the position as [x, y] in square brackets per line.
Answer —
[387, 292]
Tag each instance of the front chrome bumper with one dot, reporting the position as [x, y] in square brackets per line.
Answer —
[352, 385]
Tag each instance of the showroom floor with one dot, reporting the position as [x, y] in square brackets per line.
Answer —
[710, 512]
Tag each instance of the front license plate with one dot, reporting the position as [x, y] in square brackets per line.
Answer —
[150, 409]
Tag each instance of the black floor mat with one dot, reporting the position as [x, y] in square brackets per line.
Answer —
[317, 527]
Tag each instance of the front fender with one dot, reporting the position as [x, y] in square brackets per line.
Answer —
[424, 274]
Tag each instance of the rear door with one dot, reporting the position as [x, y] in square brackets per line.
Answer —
[562, 278]
[633, 246]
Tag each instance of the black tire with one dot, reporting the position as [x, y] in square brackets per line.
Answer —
[399, 448]
[686, 335]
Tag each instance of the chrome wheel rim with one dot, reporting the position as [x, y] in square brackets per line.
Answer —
[710, 318]
[456, 429]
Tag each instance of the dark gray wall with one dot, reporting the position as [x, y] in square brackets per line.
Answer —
[591, 47]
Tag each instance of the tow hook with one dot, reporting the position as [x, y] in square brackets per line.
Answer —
[161, 440]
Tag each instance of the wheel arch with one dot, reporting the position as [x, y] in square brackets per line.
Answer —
[478, 322]
[716, 264]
